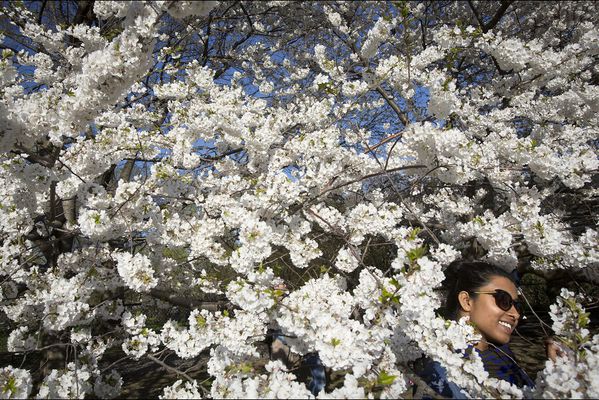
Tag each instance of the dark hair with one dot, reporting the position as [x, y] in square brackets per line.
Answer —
[467, 276]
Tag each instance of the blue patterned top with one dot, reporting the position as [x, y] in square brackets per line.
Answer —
[499, 362]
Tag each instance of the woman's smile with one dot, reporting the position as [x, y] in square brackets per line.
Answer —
[507, 326]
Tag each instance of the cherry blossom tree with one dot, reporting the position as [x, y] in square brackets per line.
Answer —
[305, 166]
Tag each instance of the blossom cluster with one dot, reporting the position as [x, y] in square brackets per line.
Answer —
[574, 373]
[179, 179]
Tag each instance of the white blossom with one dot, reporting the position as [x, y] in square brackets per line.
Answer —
[136, 271]
[181, 390]
[15, 383]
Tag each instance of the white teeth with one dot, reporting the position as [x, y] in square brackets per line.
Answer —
[505, 324]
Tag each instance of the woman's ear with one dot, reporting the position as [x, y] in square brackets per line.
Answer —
[464, 300]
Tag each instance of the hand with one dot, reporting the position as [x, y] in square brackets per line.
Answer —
[553, 349]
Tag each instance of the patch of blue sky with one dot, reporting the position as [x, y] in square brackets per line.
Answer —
[422, 97]
[28, 71]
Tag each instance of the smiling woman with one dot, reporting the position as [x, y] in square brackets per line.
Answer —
[495, 314]
[487, 297]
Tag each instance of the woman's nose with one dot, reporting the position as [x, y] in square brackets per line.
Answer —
[514, 313]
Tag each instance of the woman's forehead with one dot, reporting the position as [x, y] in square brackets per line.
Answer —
[503, 283]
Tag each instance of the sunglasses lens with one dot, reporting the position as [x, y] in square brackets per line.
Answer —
[505, 301]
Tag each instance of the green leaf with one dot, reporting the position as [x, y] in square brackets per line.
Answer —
[7, 53]
[414, 234]
[405, 11]
[385, 379]
[261, 268]
[245, 368]
[175, 253]
[478, 220]
[328, 88]
[253, 235]
[583, 319]
[539, 227]
[323, 86]
[533, 143]
[10, 386]
[416, 253]
[388, 297]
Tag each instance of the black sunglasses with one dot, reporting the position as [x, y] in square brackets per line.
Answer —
[504, 300]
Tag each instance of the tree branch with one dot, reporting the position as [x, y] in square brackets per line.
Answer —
[490, 25]
[39, 17]
[405, 167]
[188, 302]
[169, 368]
[402, 117]
[498, 15]
[495, 19]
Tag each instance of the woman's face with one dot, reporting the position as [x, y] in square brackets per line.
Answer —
[495, 325]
